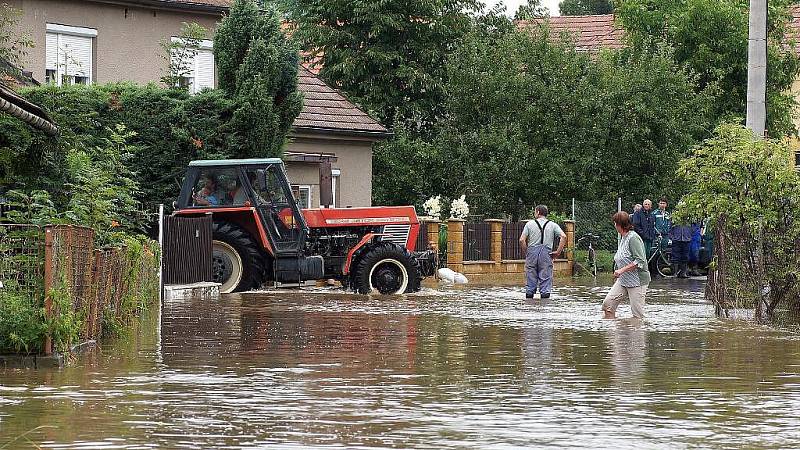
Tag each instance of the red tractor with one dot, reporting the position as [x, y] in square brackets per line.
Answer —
[261, 236]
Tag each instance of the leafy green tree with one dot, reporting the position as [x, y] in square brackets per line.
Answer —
[530, 10]
[750, 191]
[385, 55]
[257, 69]
[530, 121]
[585, 7]
[710, 38]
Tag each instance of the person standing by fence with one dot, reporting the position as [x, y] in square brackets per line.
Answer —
[681, 236]
[644, 224]
[631, 274]
[537, 240]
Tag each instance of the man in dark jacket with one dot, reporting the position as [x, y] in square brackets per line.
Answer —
[681, 236]
[644, 224]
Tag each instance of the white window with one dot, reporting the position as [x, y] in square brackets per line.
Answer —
[302, 194]
[200, 73]
[69, 55]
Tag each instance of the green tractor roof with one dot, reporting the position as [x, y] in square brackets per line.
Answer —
[235, 162]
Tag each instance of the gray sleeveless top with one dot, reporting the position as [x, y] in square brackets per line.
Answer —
[622, 258]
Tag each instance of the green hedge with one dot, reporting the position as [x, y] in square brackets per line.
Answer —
[171, 128]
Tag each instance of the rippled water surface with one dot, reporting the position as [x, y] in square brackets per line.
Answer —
[450, 368]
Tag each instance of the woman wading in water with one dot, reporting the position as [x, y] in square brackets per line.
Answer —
[631, 274]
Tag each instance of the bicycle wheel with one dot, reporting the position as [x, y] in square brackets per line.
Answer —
[592, 259]
[664, 265]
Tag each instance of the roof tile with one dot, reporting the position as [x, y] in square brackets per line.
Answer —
[591, 33]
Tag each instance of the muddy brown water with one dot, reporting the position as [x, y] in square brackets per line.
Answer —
[450, 368]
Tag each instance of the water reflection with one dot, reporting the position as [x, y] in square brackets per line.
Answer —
[474, 368]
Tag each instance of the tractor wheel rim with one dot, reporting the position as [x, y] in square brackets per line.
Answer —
[226, 267]
[388, 276]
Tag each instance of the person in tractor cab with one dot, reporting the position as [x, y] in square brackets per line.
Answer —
[207, 196]
[537, 239]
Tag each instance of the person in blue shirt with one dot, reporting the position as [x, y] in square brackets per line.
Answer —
[208, 194]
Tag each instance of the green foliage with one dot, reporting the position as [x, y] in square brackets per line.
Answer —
[257, 68]
[22, 327]
[179, 54]
[387, 55]
[14, 44]
[530, 10]
[749, 189]
[585, 7]
[710, 39]
[527, 121]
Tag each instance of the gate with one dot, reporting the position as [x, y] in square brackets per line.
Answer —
[187, 249]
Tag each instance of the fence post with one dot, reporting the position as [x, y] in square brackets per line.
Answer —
[570, 246]
[47, 347]
[455, 244]
[495, 240]
[433, 234]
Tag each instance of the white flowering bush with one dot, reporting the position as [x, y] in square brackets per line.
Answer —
[433, 207]
[459, 209]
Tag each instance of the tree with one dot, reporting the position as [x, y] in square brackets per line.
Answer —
[385, 55]
[180, 53]
[750, 192]
[585, 7]
[528, 121]
[257, 68]
[530, 10]
[710, 39]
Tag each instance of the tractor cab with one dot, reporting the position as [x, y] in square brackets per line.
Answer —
[260, 184]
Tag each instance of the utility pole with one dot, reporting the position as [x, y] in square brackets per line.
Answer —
[757, 68]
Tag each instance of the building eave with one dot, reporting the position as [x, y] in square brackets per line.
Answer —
[361, 134]
[169, 5]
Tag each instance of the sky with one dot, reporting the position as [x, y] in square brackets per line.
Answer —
[512, 5]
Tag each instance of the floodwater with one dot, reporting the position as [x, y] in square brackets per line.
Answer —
[449, 368]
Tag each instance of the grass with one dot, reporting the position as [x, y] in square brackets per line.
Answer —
[605, 261]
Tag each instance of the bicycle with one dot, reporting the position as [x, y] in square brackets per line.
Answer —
[662, 256]
[591, 255]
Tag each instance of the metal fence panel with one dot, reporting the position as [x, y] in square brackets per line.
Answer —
[187, 249]
[511, 248]
[22, 259]
[422, 237]
[477, 241]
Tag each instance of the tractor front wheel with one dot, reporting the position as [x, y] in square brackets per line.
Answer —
[388, 269]
[236, 263]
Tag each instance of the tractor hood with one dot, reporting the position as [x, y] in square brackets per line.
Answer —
[354, 217]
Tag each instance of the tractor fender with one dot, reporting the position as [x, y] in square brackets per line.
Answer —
[348, 263]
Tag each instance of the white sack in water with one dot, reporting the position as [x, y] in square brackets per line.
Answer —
[450, 276]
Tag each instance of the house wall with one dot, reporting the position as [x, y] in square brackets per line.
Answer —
[354, 160]
[127, 44]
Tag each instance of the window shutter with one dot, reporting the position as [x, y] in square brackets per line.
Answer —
[76, 54]
[204, 70]
[51, 51]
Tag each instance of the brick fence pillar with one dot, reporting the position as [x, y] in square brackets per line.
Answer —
[569, 226]
[433, 234]
[496, 240]
[455, 244]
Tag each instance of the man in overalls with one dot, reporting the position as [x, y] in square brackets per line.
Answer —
[537, 239]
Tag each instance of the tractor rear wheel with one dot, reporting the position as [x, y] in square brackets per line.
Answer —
[388, 269]
[237, 263]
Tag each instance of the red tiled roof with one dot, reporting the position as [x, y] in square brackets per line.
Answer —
[325, 108]
[591, 33]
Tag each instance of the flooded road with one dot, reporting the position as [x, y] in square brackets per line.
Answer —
[450, 368]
